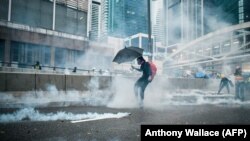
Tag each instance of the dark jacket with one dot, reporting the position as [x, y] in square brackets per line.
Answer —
[238, 72]
[146, 70]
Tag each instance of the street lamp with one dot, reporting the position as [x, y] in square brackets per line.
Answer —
[149, 31]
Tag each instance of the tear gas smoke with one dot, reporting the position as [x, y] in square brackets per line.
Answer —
[120, 95]
[35, 115]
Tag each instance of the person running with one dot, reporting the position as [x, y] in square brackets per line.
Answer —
[224, 83]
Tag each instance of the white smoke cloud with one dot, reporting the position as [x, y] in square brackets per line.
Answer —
[120, 95]
[35, 115]
[93, 60]
[53, 97]
[124, 96]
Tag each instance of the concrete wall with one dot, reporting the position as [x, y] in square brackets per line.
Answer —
[18, 82]
[38, 81]
[77, 82]
[35, 81]
[44, 80]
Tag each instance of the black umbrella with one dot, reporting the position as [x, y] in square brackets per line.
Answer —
[127, 54]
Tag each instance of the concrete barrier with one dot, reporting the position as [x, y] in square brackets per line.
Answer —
[19, 82]
[105, 82]
[39, 81]
[45, 80]
[77, 82]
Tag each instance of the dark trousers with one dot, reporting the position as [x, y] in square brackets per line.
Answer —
[222, 86]
[239, 90]
[140, 87]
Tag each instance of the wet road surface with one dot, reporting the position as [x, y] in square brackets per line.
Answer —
[121, 129]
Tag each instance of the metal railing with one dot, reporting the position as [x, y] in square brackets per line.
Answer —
[29, 68]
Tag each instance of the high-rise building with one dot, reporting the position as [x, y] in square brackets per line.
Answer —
[127, 17]
[104, 20]
[98, 29]
[183, 21]
[116, 18]
[157, 28]
[219, 14]
[95, 28]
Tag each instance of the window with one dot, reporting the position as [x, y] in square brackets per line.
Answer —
[14, 51]
[47, 55]
[4, 4]
[36, 13]
[135, 42]
[240, 9]
[60, 57]
[226, 47]
[71, 13]
[70, 20]
[240, 2]
[216, 50]
[241, 16]
[28, 54]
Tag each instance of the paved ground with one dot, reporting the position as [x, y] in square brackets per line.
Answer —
[124, 129]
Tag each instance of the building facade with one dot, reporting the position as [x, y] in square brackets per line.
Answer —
[95, 28]
[157, 28]
[227, 13]
[219, 14]
[53, 32]
[127, 17]
[104, 21]
[183, 21]
[140, 40]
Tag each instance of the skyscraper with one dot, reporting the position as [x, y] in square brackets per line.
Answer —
[104, 20]
[225, 13]
[157, 28]
[183, 20]
[95, 28]
[127, 17]
[220, 13]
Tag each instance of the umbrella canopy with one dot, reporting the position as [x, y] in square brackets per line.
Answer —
[127, 54]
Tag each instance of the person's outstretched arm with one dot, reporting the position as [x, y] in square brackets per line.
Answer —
[133, 67]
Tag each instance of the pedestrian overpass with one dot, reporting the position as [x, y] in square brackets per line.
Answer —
[228, 46]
